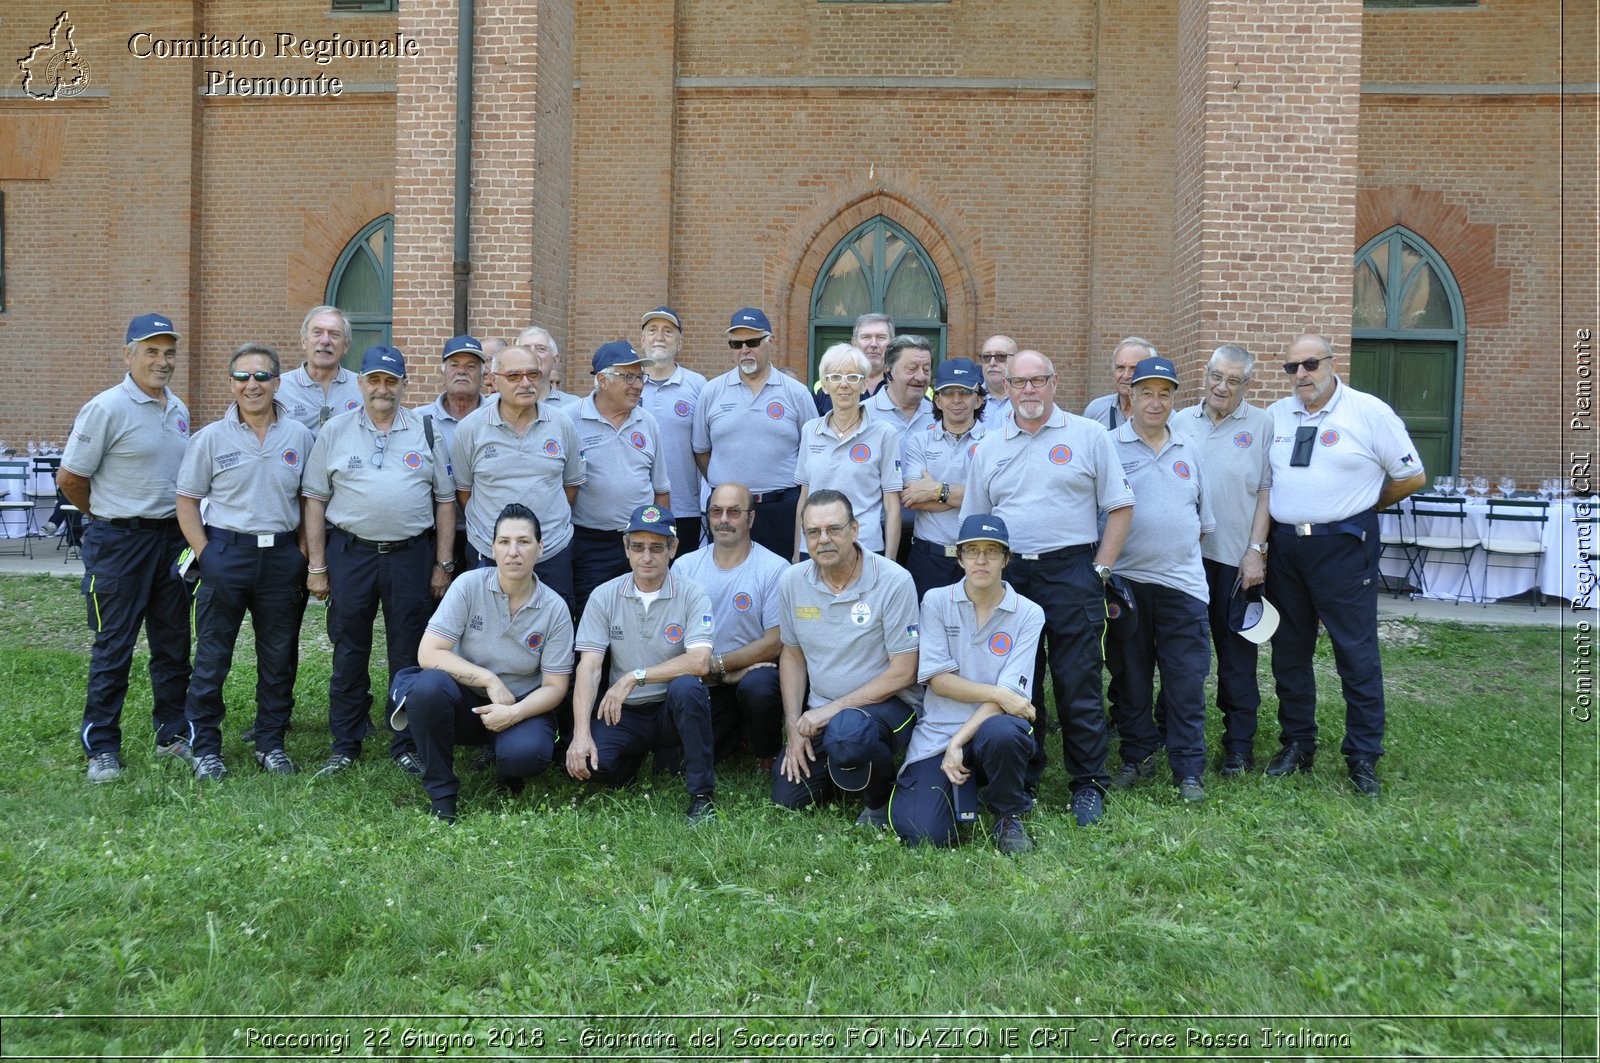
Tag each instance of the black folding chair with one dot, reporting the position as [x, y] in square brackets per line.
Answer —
[1519, 513]
[1450, 536]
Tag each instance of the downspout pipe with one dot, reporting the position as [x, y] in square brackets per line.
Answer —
[461, 268]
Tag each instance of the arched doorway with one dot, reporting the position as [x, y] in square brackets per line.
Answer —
[877, 268]
[362, 285]
[1407, 338]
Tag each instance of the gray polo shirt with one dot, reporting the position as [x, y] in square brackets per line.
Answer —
[444, 425]
[475, 615]
[1050, 486]
[861, 466]
[1163, 544]
[883, 408]
[744, 599]
[564, 401]
[671, 402]
[946, 457]
[994, 411]
[998, 653]
[616, 619]
[753, 438]
[387, 503]
[498, 466]
[129, 447]
[848, 638]
[625, 467]
[1236, 454]
[305, 399]
[1106, 411]
[251, 486]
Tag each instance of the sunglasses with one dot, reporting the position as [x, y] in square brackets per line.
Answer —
[752, 344]
[1311, 365]
[262, 375]
[517, 378]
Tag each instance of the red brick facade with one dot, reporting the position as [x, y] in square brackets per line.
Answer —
[1195, 171]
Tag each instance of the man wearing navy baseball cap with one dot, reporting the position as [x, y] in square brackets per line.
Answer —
[670, 394]
[747, 427]
[979, 638]
[121, 468]
[380, 531]
[658, 631]
[464, 358]
[934, 460]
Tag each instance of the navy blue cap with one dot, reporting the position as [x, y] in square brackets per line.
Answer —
[665, 313]
[649, 518]
[617, 352]
[1155, 369]
[984, 527]
[751, 318]
[146, 325]
[1251, 615]
[457, 344]
[958, 373]
[382, 359]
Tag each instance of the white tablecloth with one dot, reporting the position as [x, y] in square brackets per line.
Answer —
[1558, 573]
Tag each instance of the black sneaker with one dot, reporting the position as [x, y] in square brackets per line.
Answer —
[1191, 789]
[409, 764]
[105, 767]
[1364, 777]
[209, 768]
[335, 763]
[443, 808]
[1088, 806]
[1236, 764]
[1132, 772]
[1011, 837]
[701, 809]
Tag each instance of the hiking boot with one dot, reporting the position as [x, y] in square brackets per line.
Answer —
[409, 764]
[701, 809]
[1132, 771]
[105, 767]
[1088, 806]
[209, 768]
[335, 763]
[1011, 837]
[276, 762]
[1191, 789]
[875, 818]
[178, 749]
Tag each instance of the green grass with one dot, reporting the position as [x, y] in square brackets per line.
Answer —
[286, 897]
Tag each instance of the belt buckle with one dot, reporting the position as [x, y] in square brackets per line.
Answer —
[265, 541]
[950, 551]
[1302, 530]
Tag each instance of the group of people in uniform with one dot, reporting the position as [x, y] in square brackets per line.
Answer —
[866, 587]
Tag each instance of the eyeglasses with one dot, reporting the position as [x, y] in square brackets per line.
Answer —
[626, 378]
[731, 512]
[833, 530]
[1233, 383]
[983, 553]
[844, 378]
[532, 375]
[993, 356]
[752, 344]
[1311, 365]
[323, 415]
[1038, 383]
[640, 547]
[262, 375]
[382, 443]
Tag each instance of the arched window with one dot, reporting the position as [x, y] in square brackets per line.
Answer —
[877, 268]
[362, 285]
[1406, 341]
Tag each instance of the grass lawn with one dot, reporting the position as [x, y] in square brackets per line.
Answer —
[265, 916]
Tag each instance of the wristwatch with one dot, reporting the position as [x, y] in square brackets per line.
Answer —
[1104, 572]
[449, 567]
[638, 675]
[1260, 548]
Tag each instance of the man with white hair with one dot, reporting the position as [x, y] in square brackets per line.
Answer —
[544, 347]
[1113, 409]
[322, 387]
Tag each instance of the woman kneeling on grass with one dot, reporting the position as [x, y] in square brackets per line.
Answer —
[979, 638]
[496, 661]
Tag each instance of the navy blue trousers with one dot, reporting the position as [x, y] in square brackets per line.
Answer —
[1238, 693]
[129, 582]
[774, 526]
[750, 711]
[1334, 579]
[596, 557]
[870, 736]
[440, 718]
[929, 567]
[922, 808]
[236, 577]
[1064, 585]
[360, 580]
[1170, 635]
[682, 720]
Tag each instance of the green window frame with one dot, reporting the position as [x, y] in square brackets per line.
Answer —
[365, 5]
[362, 285]
[877, 268]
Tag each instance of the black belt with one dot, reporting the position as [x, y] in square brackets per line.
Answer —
[1065, 551]
[245, 539]
[935, 549]
[382, 548]
[782, 494]
[143, 523]
[1338, 527]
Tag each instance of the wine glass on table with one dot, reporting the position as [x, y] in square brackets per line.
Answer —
[1443, 485]
[1508, 487]
[1480, 485]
